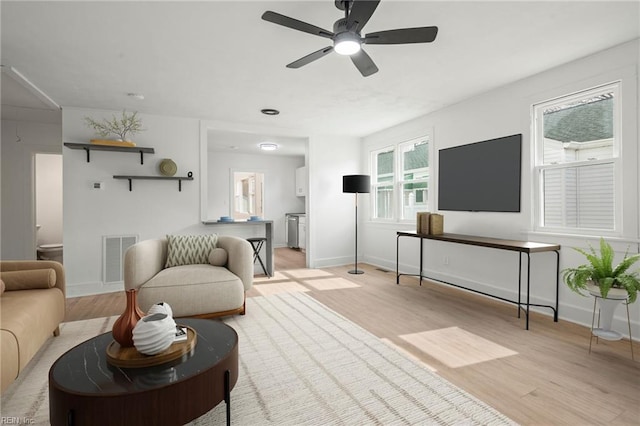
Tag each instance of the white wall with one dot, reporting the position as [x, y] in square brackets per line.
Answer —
[156, 208]
[331, 222]
[153, 209]
[503, 112]
[279, 175]
[17, 231]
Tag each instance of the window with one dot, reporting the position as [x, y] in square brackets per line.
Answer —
[400, 195]
[577, 162]
[414, 166]
[383, 182]
[248, 194]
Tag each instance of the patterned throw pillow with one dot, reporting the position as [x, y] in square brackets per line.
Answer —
[189, 249]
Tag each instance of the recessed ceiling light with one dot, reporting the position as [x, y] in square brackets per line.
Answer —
[268, 146]
[138, 96]
[270, 111]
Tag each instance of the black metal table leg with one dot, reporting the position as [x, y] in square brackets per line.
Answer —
[519, 282]
[528, 287]
[421, 257]
[227, 395]
[397, 259]
[555, 312]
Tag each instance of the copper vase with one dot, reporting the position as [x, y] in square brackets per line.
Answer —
[123, 327]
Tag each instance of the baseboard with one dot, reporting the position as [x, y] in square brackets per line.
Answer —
[332, 261]
[93, 288]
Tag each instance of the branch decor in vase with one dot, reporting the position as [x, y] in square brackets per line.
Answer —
[121, 128]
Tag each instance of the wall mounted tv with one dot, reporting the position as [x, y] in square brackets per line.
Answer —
[482, 176]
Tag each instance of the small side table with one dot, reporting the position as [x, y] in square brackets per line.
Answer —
[256, 244]
[605, 312]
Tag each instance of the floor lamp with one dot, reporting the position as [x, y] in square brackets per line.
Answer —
[355, 184]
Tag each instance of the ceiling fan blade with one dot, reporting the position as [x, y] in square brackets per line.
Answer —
[360, 13]
[311, 57]
[295, 24]
[402, 36]
[364, 63]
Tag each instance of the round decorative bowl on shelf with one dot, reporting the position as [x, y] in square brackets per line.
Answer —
[168, 167]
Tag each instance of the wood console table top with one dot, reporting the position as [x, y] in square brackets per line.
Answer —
[497, 243]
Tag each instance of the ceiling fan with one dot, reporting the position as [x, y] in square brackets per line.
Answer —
[346, 35]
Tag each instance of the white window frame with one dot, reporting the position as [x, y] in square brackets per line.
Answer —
[398, 181]
[375, 185]
[615, 160]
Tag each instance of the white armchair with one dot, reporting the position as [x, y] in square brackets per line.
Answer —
[196, 290]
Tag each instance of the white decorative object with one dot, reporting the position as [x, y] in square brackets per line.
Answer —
[161, 308]
[154, 333]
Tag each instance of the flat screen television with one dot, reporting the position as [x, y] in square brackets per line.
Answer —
[482, 176]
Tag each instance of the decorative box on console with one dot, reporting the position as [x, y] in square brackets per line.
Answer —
[429, 223]
[436, 224]
[422, 222]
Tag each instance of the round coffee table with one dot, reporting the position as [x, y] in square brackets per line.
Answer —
[84, 389]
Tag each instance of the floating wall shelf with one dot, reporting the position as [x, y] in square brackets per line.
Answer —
[131, 178]
[88, 147]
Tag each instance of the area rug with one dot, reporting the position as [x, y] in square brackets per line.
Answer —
[300, 364]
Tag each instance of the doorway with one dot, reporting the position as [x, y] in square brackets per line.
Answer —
[48, 199]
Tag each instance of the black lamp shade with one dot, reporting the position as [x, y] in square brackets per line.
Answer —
[356, 183]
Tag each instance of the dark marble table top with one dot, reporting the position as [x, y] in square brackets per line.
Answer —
[84, 369]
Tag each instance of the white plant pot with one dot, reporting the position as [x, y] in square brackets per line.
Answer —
[614, 293]
[607, 308]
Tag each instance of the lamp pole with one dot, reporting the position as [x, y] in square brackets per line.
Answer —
[356, 184]
[356, 270]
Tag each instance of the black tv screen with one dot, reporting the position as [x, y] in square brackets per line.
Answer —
[482, 176]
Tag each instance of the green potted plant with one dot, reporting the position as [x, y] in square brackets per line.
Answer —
[127, 124]
[600, 277]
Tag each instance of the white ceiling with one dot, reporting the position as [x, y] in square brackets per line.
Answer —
[219, 60]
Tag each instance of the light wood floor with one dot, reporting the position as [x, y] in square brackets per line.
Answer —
[550, 380]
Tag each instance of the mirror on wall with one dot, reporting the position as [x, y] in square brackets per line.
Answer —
[248, 195]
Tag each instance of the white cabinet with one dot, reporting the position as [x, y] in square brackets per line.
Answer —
[301, 182]
[302, 232]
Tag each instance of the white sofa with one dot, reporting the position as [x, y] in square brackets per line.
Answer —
[194, 290]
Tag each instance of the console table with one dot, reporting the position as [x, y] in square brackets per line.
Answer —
[526, 247]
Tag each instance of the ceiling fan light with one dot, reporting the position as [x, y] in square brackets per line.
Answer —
[345, 44]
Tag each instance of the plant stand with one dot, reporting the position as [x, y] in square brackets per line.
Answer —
[607, 306]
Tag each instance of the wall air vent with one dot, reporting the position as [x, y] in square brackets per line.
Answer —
[113, 248]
